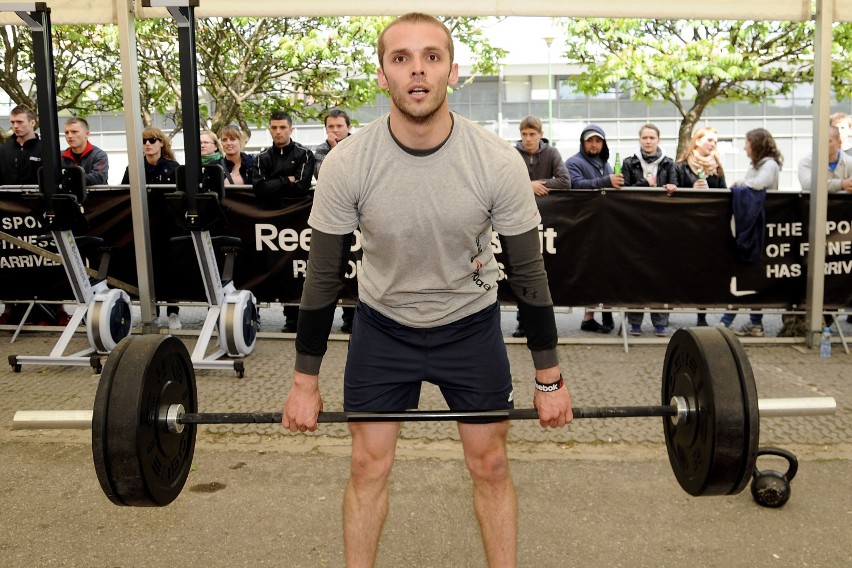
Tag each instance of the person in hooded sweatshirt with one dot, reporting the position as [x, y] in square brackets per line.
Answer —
[544, 165]
[589, 169]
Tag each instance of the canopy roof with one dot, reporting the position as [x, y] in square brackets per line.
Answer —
[105, 11]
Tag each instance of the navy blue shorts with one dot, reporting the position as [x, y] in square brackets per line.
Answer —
[387, 362]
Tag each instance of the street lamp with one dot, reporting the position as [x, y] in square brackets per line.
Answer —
[549, 41]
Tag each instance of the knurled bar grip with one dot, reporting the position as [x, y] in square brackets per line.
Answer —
[81, 419]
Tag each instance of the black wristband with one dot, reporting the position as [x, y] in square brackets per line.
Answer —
[552, 387]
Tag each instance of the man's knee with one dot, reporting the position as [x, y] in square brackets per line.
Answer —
[489, 466]
[485, 450]
[373, 449]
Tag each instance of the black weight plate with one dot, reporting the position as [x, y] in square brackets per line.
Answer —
[751, 434]
[99, 420]
[250, 323]
[119, 320]
[145, 464]
[706, 452]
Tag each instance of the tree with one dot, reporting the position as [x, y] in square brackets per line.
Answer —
[693, 64]
[85, 58]
[247, 67]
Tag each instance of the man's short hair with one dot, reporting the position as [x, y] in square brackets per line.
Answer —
[334, 113]
[78, 120]
[24, 109]
[281, 115]
[833, 132]
[533, 122]
[838, 116]
[414, 18]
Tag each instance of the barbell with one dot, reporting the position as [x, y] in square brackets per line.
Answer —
[145, 416]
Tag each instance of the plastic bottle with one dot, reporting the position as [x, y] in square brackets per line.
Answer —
[616, 168]
[701, 174]
[825, 344]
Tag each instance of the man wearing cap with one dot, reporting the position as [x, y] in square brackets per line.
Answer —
[589, 169]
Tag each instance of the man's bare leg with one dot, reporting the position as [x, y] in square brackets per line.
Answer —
[365, 501]
[494, 499]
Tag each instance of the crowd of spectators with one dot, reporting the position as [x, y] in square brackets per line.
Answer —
[286, 170]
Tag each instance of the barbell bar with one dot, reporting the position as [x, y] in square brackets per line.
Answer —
[145, 416]
[177, 416]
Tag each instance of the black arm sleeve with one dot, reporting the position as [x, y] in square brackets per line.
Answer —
[326, 268]
[528, 280]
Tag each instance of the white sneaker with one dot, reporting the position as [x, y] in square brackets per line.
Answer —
[162, 321]
[174, 322]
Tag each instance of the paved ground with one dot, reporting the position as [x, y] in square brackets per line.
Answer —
[599, 492]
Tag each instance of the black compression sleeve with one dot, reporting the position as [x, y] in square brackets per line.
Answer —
[528, 279]
[327, 262]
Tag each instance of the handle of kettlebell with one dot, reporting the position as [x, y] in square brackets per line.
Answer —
[793, 463]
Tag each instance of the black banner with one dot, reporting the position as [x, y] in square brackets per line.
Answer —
[619, 248]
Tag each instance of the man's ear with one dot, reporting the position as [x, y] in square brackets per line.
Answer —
[383, 82]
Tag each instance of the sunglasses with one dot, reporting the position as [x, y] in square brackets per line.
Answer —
[150, 140]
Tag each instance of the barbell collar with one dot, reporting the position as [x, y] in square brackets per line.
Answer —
[82, 419]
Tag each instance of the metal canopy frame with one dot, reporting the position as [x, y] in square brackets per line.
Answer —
[125, 12]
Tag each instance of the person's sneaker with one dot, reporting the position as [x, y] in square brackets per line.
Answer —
[289, 327]
[519, 332]
[750, 329]
[701, 320]
[594, 326]
[174, 322]
[346, 327]
[660, 330]
[162, 321]
[635, 329]
[722, 324]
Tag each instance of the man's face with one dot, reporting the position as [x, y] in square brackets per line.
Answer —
[417, 69]
[834, 145]
[593, 146]
[21, 125]
[281, 132]
[76, 136]
[530, 137]
[843, 127]
[336, 126]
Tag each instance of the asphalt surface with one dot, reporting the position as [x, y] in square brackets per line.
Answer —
[599, 492]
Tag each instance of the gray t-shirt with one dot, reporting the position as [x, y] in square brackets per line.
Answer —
[425, 221]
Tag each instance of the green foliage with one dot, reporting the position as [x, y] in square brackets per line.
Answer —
[247, 67]
[693, 64]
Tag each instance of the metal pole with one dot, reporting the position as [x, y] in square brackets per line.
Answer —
[549, 41]
[817, 217]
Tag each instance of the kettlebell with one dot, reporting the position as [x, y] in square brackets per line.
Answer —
[771, 488]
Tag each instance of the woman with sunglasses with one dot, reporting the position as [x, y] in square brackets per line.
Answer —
[160, 168]
[160, 164]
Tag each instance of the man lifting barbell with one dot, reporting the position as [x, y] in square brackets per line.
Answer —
[424, 175]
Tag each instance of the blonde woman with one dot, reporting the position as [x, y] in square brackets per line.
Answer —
[699, 165]
[237, 163]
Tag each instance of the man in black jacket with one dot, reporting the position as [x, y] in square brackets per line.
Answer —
[282, 171]
[20, 157]
[20, 160]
